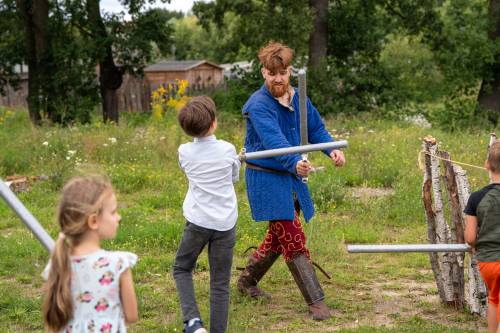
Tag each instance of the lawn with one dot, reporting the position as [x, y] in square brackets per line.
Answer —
[375, 198]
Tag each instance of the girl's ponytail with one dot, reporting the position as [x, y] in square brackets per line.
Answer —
[58, 304]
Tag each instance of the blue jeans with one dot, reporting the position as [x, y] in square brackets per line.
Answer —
[220, 258]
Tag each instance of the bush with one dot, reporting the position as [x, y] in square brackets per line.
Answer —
[458, 113]
[236, 91]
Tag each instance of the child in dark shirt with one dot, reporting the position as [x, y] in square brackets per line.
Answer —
[482, 232]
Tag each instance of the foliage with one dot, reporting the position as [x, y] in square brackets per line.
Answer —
[389, 57]
[383, 56]
[218, 44]
[11, 44]
[412, 69]
[70, 75]
[462, 48]
[73, 82]
[237, 90]
[136, 42]
[259, 22]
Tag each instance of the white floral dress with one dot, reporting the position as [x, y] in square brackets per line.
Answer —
[95, 286]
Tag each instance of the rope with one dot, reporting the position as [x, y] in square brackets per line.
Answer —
[321, 269]
[421, 165]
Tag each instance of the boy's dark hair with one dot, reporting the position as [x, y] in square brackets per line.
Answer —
[494, 157]
[197, 116]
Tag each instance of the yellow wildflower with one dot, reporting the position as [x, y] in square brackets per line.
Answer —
[183, 84]
[161, 90]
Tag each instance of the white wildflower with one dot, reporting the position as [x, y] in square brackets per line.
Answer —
[113, 140]
[45, 143]
[418, 120]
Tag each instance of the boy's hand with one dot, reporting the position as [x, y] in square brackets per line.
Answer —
[337, 157]
[303, 168]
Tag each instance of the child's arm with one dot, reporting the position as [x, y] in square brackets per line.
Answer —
[236, 164]
[128, 298]
[236, 170]
[470, 234]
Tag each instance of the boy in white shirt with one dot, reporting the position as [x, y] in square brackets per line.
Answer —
[211, 211]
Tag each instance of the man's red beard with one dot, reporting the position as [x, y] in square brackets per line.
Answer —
[278, 90]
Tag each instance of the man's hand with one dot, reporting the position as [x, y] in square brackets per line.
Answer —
[337, 157]
[303, 168]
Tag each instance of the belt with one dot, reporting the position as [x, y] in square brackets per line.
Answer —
[257, 167]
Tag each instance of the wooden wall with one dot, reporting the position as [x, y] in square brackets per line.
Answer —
[135, 93]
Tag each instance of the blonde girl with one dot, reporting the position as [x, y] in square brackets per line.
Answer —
[88, 289]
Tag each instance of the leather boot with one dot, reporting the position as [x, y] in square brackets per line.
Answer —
[304, 275]
[253, 272]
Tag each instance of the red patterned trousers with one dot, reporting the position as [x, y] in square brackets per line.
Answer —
[285, 237]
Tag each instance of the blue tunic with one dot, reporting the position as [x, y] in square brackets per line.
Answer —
[271, 125]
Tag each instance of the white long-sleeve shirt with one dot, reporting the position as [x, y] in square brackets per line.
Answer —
[211, 166]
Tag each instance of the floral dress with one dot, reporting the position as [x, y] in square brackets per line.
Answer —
[95, 286]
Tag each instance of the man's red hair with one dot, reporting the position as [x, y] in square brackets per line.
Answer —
[275, 56]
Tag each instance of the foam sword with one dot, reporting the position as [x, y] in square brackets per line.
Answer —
[303, 114]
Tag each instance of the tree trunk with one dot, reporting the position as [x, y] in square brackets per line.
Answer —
[110, 76]
[446, 266]
[431, 222]
[318, 39]
[34, 15]
[476, 295]
[442, 228]
[457, 226]
[489, 94]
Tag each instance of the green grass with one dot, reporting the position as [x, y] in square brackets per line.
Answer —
[368, 293]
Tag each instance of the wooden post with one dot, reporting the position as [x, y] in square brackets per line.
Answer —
[476, 295]
[447, 268]
[431, 217]
[457, 227]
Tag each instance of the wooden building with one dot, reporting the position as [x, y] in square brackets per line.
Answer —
[199, 73]
[134, 95]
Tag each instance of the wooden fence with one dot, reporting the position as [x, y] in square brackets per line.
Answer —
[16, 98]
[134, 95]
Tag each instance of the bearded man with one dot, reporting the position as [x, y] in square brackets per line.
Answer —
[275, 190]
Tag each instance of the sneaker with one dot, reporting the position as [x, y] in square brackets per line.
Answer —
[194, 326]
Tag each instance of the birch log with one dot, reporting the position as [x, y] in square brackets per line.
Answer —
[443, 233]
[476, 294]
[457, 228]
[431, 218]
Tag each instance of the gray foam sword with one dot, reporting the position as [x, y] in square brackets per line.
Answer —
[29, 220]
[303, 114]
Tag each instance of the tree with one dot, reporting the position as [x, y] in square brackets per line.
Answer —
[110, 76]
[259, 22]
[11, 45]
[64, 41]
[318, 38]
[35, 15]
[131, 40]
[489, 93]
